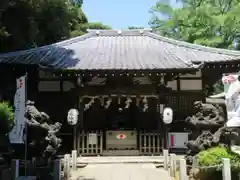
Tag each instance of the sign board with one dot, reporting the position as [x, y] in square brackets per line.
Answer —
[16, 135]
[121, 139]
[92, 138]
[121, 136]
[177, 140]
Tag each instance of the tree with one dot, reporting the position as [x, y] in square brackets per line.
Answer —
[81, 29]
[206, 22]
[31, 23]
[77, 2]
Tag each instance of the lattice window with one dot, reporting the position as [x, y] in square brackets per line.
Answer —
[172, 102]
[184, 103]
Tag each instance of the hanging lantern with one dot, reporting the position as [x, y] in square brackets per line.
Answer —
[167, 115]
[72, 117]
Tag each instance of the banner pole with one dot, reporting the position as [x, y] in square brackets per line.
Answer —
[26, 129]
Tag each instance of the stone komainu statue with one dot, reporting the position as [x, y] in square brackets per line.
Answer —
[41, 134]
[208, 127]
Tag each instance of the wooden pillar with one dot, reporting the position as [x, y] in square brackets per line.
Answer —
[75, 127]
[78, 91]
[160, 123]
[79, 126]
[162, 103]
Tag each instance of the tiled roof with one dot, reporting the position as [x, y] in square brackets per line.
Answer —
[120, 50]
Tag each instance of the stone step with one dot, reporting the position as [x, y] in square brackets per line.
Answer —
[121, 153]
[120, 159]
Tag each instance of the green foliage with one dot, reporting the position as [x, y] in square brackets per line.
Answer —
[205, 22]
[6, 117]
[53, 18]
[77, 2]
[135, 27]
[30, 23]
[81, 29]
[212, 157]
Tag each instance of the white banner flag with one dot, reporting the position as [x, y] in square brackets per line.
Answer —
[16, 135]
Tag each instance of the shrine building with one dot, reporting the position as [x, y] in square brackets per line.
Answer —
[120, 82]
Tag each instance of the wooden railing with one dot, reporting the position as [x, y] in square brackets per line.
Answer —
[87, 145]
[150, 143]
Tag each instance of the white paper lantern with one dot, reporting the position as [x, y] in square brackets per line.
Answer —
[72, 117]
[167, 115]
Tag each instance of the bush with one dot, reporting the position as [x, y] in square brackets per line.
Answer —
[212, 157]
[6, 117]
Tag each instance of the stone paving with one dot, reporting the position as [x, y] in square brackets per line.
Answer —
[119, 171]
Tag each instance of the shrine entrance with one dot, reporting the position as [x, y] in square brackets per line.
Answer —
[126, 127]
[120, 133]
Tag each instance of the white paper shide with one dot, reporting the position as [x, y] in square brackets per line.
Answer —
[16, 135]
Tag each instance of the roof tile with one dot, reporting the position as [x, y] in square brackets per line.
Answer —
[114, 50]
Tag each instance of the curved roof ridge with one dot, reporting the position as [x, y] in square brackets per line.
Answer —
[61, 43]
[123, 30]
[193, 46]
[136, 32]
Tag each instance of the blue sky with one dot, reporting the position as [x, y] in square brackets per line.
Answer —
[119, 14]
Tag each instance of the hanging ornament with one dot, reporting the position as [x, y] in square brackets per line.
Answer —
[89, 104]
[127, 103]
[119, 100]
[137, 101]
[108, 103]
[145, 104]
[79, 81]
[102, 101]
[162, 80]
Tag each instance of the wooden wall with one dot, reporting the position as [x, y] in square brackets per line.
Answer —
[186, 89]
[55, 97]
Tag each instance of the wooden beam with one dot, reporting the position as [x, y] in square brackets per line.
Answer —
[96, 90]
